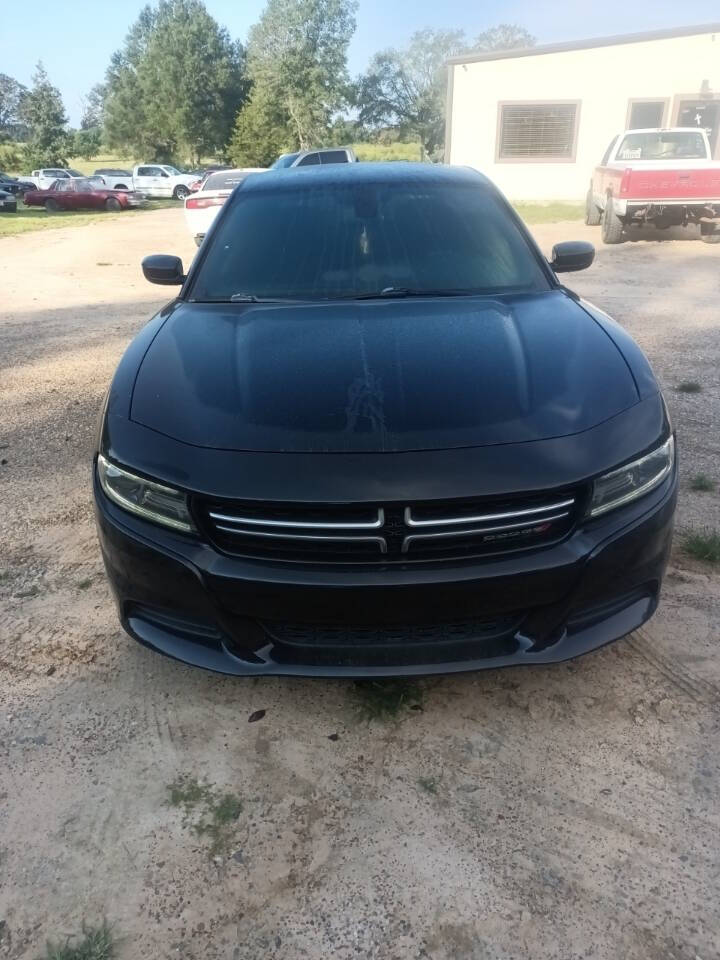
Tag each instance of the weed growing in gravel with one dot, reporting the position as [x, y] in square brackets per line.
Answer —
[702, 482]
[704, 545]
[689, 386]
[428, 784]
[97, 943]
[382, 699]
[84, 584]
[209, 813]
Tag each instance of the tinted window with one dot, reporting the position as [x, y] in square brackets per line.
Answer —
[224, 181]
[310, 160]
[678, 145]
[286, 160]
[647, 113]
[334, 156]
[343, 240]
[145, 172]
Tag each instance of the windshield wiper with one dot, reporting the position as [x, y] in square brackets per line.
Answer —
[388, 293]
[251, 298]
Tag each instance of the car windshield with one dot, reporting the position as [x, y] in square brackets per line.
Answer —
[74, 173]
[89, 184]
[662, 145]
[337, 241]
[286, 160]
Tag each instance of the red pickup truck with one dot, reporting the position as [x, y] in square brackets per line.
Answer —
[661, 177]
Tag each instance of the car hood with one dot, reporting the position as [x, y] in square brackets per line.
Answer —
[396, 375]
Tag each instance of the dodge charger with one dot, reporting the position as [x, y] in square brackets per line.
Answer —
[374, 434]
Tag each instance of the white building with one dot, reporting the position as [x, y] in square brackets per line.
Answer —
[537, 121]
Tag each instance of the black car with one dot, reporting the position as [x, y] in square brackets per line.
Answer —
[8, 202]
[374, 435]
[14, 186]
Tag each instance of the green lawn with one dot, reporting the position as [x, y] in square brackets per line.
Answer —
[533, 213]
[28, 219]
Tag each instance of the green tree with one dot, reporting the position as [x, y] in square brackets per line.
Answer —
[407, 88]
[86, 143]
[297, 64]
[11, 96]
[505, 36]
[42, 111]
[93, 115]
[176, 85]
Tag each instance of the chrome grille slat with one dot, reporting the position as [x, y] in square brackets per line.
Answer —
[485, 517]
[289, 537]
[301, 524]
[430, 530]
[479, 531]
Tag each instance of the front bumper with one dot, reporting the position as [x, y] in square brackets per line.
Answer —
[181, 597]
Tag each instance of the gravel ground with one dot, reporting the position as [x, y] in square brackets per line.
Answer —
[555, 812]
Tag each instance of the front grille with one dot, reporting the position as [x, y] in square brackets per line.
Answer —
[388, 533]
[403, 634]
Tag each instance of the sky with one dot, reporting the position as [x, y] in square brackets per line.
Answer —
[75, 41]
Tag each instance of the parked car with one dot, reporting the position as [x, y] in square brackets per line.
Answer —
[202, 175]
[663, 177]
[81, 194]
[42, 179]
[14, 185]
[372, 434]
[161, 180]
[115, 177]
[203, 206]
[311, 158]
[8, 202]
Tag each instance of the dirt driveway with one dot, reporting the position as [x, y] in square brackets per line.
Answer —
[541, 813]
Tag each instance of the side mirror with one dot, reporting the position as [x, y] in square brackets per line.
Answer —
[571, 256]
[163, 268]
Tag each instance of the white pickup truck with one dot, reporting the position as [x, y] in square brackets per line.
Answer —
[161, 180]
[43, 179]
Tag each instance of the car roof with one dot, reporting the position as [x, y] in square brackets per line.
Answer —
[395, 172]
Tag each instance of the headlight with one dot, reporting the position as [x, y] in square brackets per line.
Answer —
[147, 499]
[633, 480]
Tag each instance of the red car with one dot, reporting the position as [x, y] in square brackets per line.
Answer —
[81, 194]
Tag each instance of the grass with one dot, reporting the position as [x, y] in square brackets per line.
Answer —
[381, 152]
[383, 699]
[97, 943]
[689, 386]
[703, 545]
[533, 213]
[702, 483]
[84, 584]
[28, 219]
[209, 813]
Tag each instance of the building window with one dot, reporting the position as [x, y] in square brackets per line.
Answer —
[537, 131]
[644, 114]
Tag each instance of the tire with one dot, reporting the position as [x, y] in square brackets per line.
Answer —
[120, 186]
[181, 191]
[612, 225]
[112, 203]
[593, 214]
[709, 233]
[51, 205]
